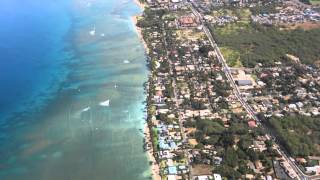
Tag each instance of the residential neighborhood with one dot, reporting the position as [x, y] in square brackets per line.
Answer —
[209, 120]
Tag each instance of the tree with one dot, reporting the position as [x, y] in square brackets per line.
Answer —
[199, 135]
[227, 140]
[245, 142]
[252, 155]
[231, 157]
[204, 50]
[228, 172]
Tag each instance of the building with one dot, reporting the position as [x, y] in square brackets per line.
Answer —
[171, 177]
[314, 169]
[244, 82]
[252, 124]
[187, 21]
[172, 170]
[217, 177]
[203, 178]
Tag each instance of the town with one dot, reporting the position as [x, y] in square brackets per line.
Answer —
[212, 120]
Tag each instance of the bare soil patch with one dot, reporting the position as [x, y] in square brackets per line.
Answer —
[305, 26]
[201, 169]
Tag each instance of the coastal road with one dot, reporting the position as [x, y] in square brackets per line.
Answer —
[237, 93]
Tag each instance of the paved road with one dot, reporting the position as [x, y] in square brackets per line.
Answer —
[237, 93]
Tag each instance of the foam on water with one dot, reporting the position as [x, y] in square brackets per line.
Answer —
[86, 109]
[105, 103]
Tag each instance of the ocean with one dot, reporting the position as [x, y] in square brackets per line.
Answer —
[71, 93]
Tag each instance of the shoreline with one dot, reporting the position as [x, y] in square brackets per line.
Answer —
[154, 167]
[139, 32]
[141, 5]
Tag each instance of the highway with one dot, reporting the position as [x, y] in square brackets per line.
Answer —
[225, 67]
[237, 93]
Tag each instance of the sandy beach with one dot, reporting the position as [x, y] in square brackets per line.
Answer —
[154, 167]
[138, 29]
[155, 170]
[139, 32]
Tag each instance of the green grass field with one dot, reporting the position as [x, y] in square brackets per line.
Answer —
[232, 57]
[315, 2]
[259, 44]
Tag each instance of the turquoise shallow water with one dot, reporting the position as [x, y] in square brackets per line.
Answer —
[67, 130]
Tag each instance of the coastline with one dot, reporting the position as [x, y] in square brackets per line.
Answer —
[139, 32]
[155, 169]
[141, 5]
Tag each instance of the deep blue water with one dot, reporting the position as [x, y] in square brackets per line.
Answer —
[32, 51]
[60, 62]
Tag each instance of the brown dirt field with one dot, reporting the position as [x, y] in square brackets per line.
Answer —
[190, 130]
[305, 26]
[237, 110]
[317, 63]
[201, 169]
[193, 142]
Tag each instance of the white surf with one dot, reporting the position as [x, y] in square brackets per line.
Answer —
[86, 109]
[105, 103]
[93, 32]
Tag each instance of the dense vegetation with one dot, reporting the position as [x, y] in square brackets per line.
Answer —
[306, 1]
[300, 135]
[260, 44]
[266, 8]
[234, 164]
[148, 18]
